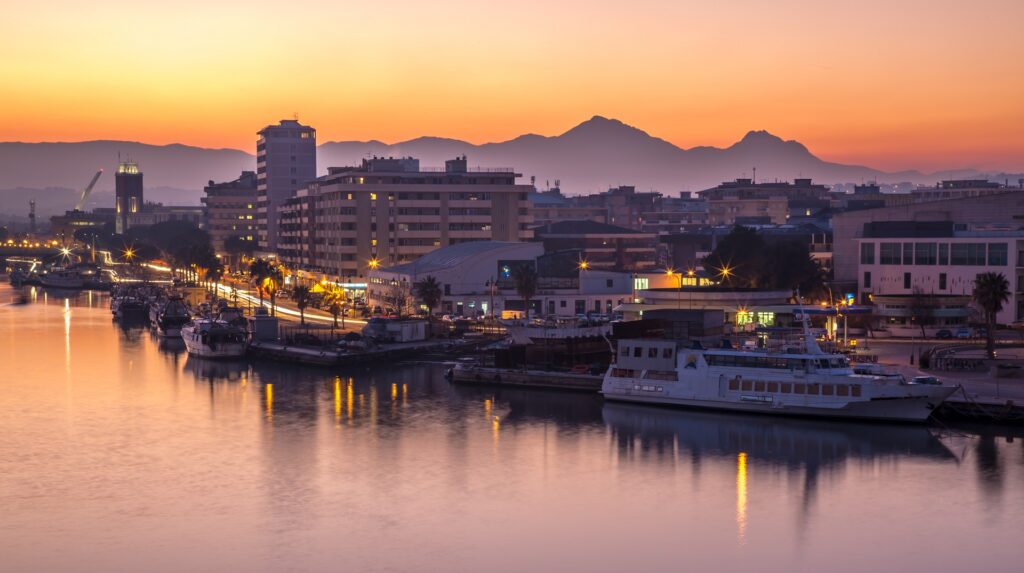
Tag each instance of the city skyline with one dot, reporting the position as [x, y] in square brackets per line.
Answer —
[887, 85]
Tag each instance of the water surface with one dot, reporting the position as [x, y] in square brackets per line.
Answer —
[120, 453]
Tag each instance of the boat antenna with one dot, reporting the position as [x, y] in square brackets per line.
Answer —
[810, 344]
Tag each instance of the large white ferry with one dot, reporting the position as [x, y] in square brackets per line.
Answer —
[793, 381]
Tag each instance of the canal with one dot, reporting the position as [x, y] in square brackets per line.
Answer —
[118, 452]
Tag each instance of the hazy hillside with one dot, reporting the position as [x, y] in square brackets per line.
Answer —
[592, 156]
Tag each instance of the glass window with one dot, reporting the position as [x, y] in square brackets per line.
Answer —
[855, 390]
[746, 385]
[958, 254]
[799, 388]
[652, 352]
[734, 384]
[942, 281]
[867, 279]
[827, 390]
[867, 253]
[813, 389]
[906, 280]
[637, 352]
[786, 387]
[758, 386]
[908, 253]
[889, 253]
[773, 386]
[624, 351]
[842, 390]
[997, 254]
[925, 253]
[943, 253]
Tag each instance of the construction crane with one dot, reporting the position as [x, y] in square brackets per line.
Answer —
[87, 190]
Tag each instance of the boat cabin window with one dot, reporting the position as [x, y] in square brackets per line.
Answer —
[855, 390]
[758, 386]
[787, 387]
[666, 353]
[746, 385]
[734, 384]
[813, 389]
[652, 352]
[773, 386]
[754, 361]
[823, 363]
[842, 390]
[637, 351]
[799, 388]
[624, 352]
[827, 390]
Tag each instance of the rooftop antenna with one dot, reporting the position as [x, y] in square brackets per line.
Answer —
[754, 180]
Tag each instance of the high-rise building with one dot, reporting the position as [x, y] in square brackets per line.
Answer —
[285, 162]
[127, 193]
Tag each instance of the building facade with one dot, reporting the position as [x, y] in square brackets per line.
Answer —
[230, 210]
[389, 211]
[602, 246]
[928, 263]
[128, 199]
[745, 202]
[285, 162]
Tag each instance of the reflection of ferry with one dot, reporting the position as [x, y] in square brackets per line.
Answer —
[208, 338]
[773, 440]
[798, 381]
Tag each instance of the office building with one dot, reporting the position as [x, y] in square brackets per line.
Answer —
[285, 162]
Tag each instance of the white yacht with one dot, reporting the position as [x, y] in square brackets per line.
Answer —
[209, 338]
[793, 381]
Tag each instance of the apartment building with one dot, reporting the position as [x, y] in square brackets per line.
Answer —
[285, 162]
[230, 209]
[388, 211]
[745, 202]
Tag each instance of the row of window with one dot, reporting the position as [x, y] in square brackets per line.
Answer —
[738, 385]
[959, 254]
[638, 351]
[778, 362]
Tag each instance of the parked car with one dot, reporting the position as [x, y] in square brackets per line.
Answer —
[944, 334]
[925, 380]
[963, 333]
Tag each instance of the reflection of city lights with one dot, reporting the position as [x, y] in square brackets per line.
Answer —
[270, 398]
[337, 399]
[741, 496]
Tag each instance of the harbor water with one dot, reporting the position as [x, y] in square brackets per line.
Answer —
[118, 452]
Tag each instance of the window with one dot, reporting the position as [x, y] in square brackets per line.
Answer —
[637, 352]
[652, 352]
[867, 279]
[867, 253]
[734, 384]
[561, 303]
[842, 390]
[906, 280]
[827, 390]
[624, 352]
[666, 353]
[942, 281]
[943, 253]
[747, 386]
[813, 389]
[799, 388]
[925, 253]
[786, 387]
[855, 390]
[908, 253]
[997, 254]
[889, 253]
[773, 386]
[608, 283]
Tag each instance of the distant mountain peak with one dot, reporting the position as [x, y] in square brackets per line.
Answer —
[760, 135]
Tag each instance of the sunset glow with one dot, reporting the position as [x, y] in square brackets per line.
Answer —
[894, 84]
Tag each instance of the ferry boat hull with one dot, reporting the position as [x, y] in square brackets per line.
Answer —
[909, 409]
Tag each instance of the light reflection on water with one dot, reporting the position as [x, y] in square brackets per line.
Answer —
[121, 453]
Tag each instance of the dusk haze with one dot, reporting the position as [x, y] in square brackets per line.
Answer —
[564, 286]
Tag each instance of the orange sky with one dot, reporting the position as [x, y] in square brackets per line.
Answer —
[894, 84]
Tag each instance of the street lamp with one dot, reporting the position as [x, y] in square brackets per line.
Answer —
[679, 288]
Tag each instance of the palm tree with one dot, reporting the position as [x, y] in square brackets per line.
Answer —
[991, 290]
[272, 284]
[214, 274]
[525, 277]
[429, 292]
[259, 271]
[334, 297]
[301, 295]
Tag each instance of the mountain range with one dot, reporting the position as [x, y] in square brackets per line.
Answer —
[590, 157]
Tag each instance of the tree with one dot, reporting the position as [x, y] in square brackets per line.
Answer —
[991, 290]
[272, 284]
[429, 292]
[525, 277]
[922, 309]
[259, 271]
[737, 258]
[214, 273]
[334, 297]
[301, 295]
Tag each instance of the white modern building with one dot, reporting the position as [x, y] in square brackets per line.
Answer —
[904, 266]
[477, 279]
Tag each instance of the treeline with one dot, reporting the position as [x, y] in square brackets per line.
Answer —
[744, 259]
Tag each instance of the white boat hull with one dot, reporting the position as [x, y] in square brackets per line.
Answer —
[225, 350]
[917, 409]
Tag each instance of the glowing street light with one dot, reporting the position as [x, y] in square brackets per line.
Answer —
[584, 265]
[374, 263]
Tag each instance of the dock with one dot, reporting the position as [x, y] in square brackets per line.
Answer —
[527, 378]
[324, 356]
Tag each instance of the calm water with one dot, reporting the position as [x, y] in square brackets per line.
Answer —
[120, 453]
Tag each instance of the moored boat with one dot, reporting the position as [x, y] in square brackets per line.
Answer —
[209, 338]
